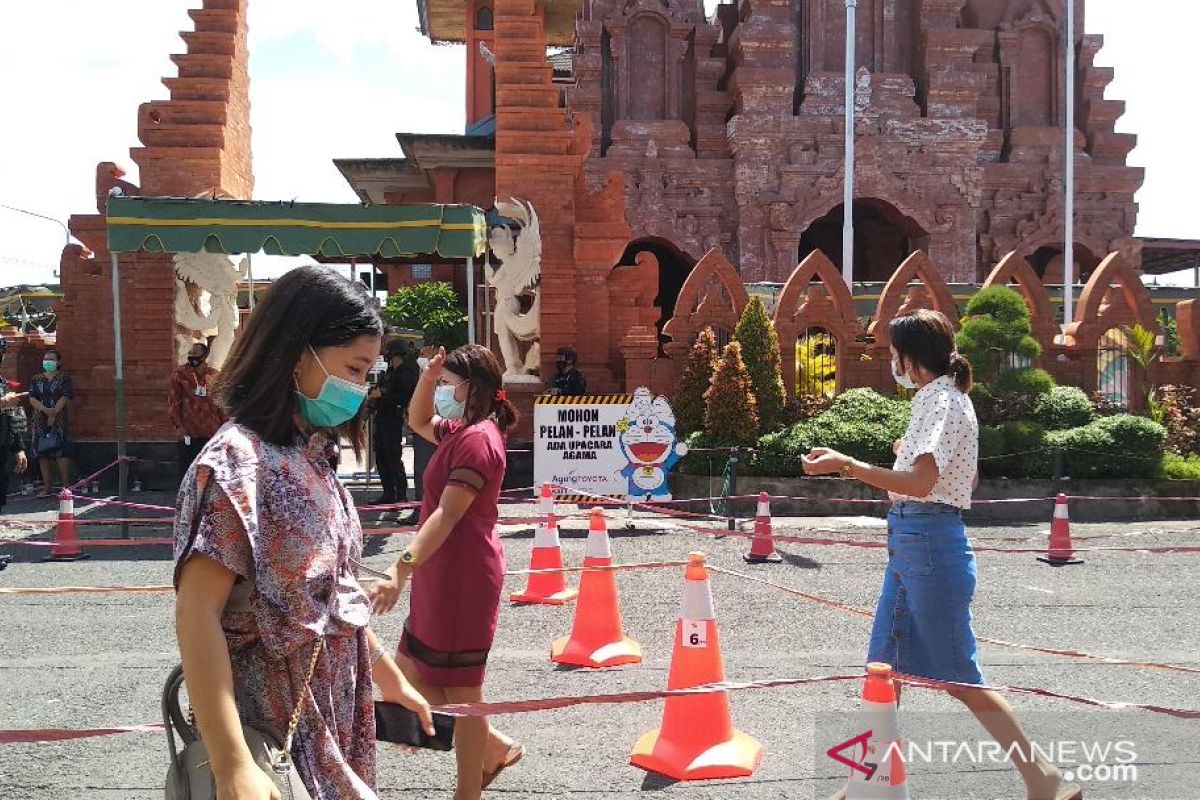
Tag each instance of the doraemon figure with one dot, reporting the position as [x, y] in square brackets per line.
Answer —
[647, 436]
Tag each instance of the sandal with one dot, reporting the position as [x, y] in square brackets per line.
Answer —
[514, 754]
[1069, 792]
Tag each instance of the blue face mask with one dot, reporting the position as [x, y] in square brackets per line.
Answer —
[49, 366]
[338, 401]
[902, 379]
[445, 404]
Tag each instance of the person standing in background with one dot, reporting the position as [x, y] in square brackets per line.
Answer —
[10, 431]
[568, 381]
[50, 392]
[389, 402]
[194, 412]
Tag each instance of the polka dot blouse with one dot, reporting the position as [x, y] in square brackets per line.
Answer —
[943, 424]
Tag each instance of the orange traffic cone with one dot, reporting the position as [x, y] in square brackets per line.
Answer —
[66, 542]
[597, 639]
[546, 588]
[697, 740]
[1060, 550]
[877, 769]
[762, 546]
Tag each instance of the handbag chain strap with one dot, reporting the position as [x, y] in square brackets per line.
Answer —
[298, 708]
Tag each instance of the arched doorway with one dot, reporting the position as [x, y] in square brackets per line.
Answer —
[1047, 262]
[816, 363]
[673, 268]
[883, 238]
[1114, 368]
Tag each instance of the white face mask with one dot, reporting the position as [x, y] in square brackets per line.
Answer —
[446, 405]
[902, 378]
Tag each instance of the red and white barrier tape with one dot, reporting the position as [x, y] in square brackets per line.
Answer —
[551, 703]
[868, 614]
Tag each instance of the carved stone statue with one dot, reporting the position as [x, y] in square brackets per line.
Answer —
[517, 284]
[206, 286]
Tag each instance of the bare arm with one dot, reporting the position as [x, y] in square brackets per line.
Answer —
[422, 418]
[454, 503]
[204, 587]
[917, 482]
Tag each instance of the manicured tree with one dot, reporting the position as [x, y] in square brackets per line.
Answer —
[730, 410]
[995, 328]
[697, 376]
[760, 351]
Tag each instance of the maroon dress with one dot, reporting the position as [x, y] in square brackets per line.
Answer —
[455, 597]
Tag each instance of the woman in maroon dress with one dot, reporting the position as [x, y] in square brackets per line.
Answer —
[456, 561]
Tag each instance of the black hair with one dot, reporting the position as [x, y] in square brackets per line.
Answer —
[310, 306]
[207, 349]
[926, 338]
[568, 355]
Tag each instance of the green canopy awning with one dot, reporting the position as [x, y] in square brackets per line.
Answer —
[175, 225]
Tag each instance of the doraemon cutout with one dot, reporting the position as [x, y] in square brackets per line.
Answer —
[647, 436]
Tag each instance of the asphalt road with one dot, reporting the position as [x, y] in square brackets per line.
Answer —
[85, 661]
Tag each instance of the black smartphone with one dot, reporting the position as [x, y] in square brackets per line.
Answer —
[395, 723]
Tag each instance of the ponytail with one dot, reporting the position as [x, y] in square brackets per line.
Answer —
[504, 412]
[960, 371]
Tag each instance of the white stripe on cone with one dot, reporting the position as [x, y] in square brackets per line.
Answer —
[546, 503]
[764, 508]
[697, 602]
[597, 544]
[546, 534]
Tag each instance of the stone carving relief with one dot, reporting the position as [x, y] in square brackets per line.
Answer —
[518, 289]
[206, 286]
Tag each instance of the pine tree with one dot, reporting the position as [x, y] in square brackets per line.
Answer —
[760, 350]
[730, 410]
[697, 375]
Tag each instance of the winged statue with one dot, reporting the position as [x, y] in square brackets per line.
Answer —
[518, 287]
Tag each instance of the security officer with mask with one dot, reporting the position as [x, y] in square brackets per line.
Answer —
[568, 381]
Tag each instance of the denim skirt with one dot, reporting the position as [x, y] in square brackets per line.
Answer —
[923, 620]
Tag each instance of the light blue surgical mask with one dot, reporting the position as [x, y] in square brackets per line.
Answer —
[901, 378]
[446, 406]
[49, 366]
[338, 401]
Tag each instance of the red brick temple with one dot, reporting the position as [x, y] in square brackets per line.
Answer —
[678, 164]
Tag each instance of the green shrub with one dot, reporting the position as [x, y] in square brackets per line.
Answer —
[688, 403]
[1180, 468]
[1026, 448]
[1121, 446]
[860, 423]
[1030, 383]
[432, 308]
[730, 408]
[1062, 408]
[760, 352]
[996, 326]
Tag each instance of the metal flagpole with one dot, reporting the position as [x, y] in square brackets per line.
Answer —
[471, 300]
[848, 168]
[1069, 169]
[250, 278]
[119, 384]
[487, 300]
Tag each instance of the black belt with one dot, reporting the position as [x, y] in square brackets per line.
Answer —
[436, 658]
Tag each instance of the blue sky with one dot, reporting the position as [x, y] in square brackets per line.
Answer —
[339, 79]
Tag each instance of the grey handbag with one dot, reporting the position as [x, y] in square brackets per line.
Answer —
[190, 777]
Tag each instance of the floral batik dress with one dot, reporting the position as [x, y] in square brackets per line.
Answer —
[278, 518]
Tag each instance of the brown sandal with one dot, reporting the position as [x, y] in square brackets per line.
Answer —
[514, 754]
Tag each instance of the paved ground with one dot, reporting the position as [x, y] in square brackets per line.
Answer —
[80, 661]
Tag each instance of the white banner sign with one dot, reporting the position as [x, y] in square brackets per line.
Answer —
[608, 445]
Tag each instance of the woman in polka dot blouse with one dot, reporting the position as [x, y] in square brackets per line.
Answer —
[923, 620]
